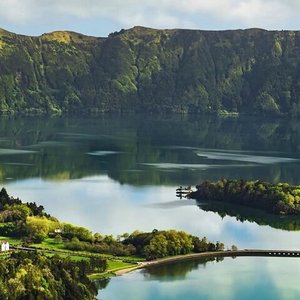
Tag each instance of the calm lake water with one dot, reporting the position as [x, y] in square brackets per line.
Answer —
[115, 174]
[234, 279]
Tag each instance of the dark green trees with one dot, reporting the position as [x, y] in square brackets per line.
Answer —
[157, 244]
[280, 198]
[35, 276]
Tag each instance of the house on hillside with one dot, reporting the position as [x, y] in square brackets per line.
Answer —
[4, 246]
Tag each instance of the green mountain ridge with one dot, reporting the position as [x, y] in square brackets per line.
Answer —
[250, 71]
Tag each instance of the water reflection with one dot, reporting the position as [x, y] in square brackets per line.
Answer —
[241, 278]
[176, 270]
[116, 174]
[236, 156]
[141, 150]
[105, 206]
[242, 214]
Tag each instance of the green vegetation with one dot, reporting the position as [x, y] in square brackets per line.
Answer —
[117, 265]
[34, 276]
[40, 230]
[36, 228]
[280, 198]
[113, 266]
[158, 244]
[56, 258]
[12, 241]
[143, 135]
[142, 69]
[50, 244]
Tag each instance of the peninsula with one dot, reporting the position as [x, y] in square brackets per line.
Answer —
[49, 259]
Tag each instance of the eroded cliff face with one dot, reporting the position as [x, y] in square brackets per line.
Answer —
[246, 71]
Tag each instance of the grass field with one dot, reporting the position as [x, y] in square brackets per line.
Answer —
[12, 241]
[114, 263]
[72, 257]
[50, 244]
[113, 266]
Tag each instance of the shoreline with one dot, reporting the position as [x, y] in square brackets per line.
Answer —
[160, 261]
[228, 253]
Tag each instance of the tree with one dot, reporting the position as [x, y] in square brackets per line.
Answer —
[83, 234]
[220, 246]
[39, 227]
[98, 237]
[234, 248]
[35, 276]
[158, 247]
[19, 212]
[98, 264]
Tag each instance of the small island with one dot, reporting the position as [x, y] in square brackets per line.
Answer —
[280, 199]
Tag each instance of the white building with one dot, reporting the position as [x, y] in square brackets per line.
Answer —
[4, 246]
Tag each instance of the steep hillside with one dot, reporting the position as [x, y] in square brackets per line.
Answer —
[141, 69]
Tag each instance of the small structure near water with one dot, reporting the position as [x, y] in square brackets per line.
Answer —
[183, 192]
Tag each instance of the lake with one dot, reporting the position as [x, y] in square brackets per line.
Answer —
[241, 278]
[118, 173]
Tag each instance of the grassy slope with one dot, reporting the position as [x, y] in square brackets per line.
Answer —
[114, 263]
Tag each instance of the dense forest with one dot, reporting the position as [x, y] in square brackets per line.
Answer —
[281, 198]
[35, 276]
[142, 69]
